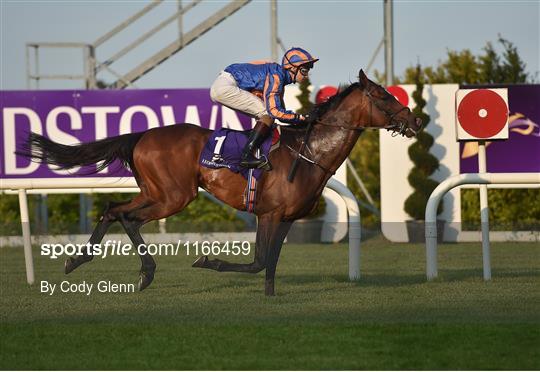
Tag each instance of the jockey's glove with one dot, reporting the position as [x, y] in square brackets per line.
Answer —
[301, 119]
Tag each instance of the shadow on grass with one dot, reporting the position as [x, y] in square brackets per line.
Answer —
[400, 280]
[454, 275]
[370, 280]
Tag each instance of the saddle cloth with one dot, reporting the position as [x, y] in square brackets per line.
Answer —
[224, 150]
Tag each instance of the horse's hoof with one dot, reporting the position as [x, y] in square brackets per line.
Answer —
[200, 262]
[70, 265]
[145, 279]
[269, 288]
[73, 263]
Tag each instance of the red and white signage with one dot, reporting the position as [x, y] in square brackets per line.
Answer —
[481, 114]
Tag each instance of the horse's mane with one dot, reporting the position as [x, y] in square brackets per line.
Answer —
[322, 108]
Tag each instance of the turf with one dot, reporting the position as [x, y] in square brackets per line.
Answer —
[199, 319]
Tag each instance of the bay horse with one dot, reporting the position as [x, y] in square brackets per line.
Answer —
[165, 164]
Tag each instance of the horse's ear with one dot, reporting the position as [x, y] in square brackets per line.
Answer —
[363, 79]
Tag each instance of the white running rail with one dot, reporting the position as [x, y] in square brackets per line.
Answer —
[92, 184]
[447, 185]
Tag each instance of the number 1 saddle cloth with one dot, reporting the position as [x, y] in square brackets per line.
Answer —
[224, 150]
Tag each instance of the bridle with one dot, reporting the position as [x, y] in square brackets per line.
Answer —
[396, 127]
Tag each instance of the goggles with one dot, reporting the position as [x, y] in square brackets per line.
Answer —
[304, 69]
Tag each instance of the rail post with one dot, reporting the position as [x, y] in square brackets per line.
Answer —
[25, 224]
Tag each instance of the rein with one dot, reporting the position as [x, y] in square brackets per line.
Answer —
[299, 155]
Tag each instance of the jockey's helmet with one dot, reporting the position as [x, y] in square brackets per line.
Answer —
[296, 57]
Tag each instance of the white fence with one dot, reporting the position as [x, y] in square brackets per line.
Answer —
[462, 179]
[95, 184]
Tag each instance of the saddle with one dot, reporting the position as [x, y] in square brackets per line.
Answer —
[224, 150]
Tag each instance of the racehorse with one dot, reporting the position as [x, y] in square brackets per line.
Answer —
[165, 164]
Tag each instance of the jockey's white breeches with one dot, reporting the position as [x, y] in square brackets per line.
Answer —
[225, 90]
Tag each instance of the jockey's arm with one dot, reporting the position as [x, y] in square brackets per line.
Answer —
[273, 89]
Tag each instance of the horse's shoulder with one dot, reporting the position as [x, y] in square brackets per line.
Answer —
[290, 134]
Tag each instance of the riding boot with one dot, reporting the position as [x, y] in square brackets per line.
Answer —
[256, 138]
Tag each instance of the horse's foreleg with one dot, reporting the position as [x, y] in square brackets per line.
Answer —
[273, 256]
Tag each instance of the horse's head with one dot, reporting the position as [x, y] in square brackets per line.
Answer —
[385, 110]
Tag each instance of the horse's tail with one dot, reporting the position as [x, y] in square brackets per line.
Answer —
[104, 151]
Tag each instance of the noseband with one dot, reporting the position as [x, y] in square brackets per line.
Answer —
[397, 127]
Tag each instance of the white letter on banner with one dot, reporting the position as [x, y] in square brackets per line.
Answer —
[100, 120]
[59, 136]
[167, 114]
[213, 117]
[152, 120]
[10, 161]
[192, 115]
[229, 119]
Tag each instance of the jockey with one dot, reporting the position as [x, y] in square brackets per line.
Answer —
[257, 89]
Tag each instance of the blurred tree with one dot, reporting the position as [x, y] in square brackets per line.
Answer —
[425, 164]
[365, 159]
[463, 67]
[304, 97]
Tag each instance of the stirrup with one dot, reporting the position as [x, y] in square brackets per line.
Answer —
[265, 165]
[260, 163]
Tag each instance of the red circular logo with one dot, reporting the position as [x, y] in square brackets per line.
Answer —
[482, 113]
[325, 93]
[401, 95]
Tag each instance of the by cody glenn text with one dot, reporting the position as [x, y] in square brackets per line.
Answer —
[87, 288]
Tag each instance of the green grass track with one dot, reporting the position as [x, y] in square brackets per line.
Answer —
[199, 319]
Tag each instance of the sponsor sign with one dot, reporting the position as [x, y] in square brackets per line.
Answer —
[71, 117]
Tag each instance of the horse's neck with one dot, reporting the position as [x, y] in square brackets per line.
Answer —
[330, 146]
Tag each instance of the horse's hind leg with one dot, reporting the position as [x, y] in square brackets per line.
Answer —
[105, 221]
[148, 265]
[107, 218]
[264, 231]
[132, 222]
